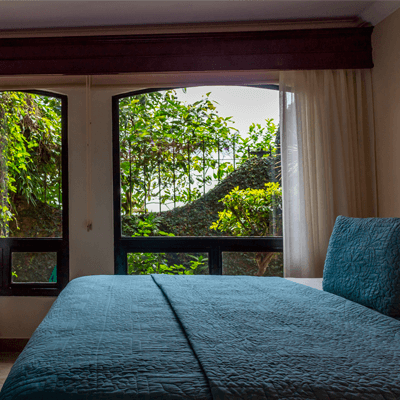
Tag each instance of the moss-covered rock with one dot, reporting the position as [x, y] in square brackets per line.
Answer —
[35, 220]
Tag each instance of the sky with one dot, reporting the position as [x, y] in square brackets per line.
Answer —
[245, 104]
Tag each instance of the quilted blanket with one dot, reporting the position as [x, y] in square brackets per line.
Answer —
[206, 337]
[107, 337]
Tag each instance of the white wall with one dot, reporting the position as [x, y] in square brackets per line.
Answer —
[91, 253]
[386, 82]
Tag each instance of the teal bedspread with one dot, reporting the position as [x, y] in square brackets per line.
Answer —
[108, 337]
[206, 337]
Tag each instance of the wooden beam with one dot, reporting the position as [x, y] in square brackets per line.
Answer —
[342, 48]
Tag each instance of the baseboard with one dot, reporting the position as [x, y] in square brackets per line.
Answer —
[12, 345]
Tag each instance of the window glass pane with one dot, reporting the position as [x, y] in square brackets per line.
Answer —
[30, 165]
[254, 264]
[200, 162]
[34, 267]
[168, 263]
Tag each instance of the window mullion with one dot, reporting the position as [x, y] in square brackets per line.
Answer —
[215, 261]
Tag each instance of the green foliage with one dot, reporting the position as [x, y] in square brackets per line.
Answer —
[170, 150]
[159, 263]
[160, 139]
[147, 226]
[250, 212]
[259, 138]
[30, 151]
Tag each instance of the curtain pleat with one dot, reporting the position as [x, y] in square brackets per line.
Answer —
[328, 160]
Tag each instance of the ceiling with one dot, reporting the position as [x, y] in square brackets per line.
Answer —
[72, 14]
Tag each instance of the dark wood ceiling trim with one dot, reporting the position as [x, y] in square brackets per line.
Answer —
[342, 48]
[202, 27]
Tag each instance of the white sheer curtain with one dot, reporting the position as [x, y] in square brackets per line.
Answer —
[328, 160]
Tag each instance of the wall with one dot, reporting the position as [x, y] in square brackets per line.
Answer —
[386, 82]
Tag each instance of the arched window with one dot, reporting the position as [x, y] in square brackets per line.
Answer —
[197, 181]
[34, 249]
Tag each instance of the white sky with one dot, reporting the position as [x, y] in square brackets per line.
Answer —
[245, 104]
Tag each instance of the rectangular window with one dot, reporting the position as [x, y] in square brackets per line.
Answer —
[168, 263]
[197, 169]
[33, 192]
[252, 263]
[34, 267]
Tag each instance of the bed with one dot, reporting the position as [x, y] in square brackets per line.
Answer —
[206, 337]
[224, 337]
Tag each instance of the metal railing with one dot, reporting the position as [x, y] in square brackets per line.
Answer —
[159, 182]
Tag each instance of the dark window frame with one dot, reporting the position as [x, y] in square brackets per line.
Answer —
[56, 245]
[214, 246]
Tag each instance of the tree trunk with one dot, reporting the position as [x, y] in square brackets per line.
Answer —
[263, 260]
